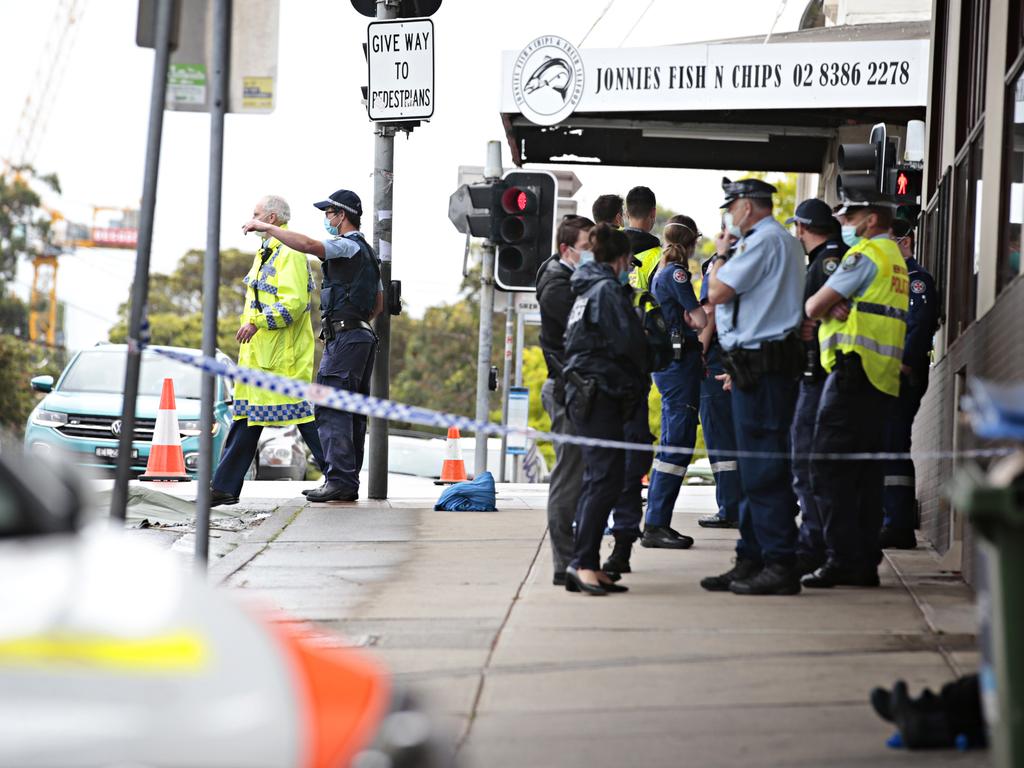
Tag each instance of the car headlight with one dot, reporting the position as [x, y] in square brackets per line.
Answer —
[276, 455]
[49, 418]
[190, 428]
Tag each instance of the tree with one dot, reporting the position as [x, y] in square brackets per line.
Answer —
[24, 222]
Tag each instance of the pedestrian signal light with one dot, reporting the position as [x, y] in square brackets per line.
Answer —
[905, 184]
[901, 183]
[524, 228]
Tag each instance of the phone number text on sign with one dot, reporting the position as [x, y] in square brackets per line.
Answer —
[831, 74]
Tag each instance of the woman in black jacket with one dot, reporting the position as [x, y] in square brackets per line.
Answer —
[606, 353]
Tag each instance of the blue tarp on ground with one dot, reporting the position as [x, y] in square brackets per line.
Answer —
[476, 495]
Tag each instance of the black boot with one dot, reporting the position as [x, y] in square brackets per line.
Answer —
[618, 561]
[774, 579]
[743, 569]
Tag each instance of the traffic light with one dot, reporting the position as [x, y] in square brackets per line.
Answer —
[473, 208]
[523, 225]
[877, 157]
[904, 184]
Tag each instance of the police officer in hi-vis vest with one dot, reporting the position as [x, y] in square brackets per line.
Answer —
[350, 296]
[863, 307]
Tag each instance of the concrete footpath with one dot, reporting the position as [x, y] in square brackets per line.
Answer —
[460, 606]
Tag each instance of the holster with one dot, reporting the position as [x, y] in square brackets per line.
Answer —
[586, 392]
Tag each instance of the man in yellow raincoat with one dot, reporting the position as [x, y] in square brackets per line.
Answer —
[276, 335]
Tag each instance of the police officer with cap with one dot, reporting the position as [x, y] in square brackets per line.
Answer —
[819, 233]
[863, 307]
[899, 503]
[351, 295]
[757, 293]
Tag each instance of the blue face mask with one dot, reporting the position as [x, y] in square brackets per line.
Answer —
[850, 236]
[331, 229]
[586, 257]
[624, 277]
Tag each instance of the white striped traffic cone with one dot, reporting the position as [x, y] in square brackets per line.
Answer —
[454, 468]
[166, 461]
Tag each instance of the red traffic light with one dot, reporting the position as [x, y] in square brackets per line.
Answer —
[902, 183]
[518, 200]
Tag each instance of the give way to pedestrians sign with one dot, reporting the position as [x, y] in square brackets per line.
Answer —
[400, 57]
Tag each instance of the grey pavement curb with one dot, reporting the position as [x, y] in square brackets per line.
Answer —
[251, 546]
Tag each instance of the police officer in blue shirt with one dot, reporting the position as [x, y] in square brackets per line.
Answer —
[716, 420]
[758, 293]
[819, 233]
[899, 500]
[351, 295]
[679, 383]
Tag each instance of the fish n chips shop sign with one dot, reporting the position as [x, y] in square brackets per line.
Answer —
[549, 79]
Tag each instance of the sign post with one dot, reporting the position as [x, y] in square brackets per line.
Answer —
[400, 91]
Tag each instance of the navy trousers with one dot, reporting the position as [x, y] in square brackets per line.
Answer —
[629, 510]
[719, 435]
[347, 364]
[603, 473]
[679, 385]
[899, 485]
[762, 416]
[849, 492]
[240, 448]
[811, 543]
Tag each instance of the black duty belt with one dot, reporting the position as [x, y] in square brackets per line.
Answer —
[350, 325]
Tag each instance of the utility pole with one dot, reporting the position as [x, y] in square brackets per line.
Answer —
[221, 58]
[383, 209]
[140, 287]
[492, 172]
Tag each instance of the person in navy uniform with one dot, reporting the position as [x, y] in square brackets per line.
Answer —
[351, 295]
[899, 500]
[716, 420]
[606, 380]
[757, 295]
[679, 383]
[821, 237]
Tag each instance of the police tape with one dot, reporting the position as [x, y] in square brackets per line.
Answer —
[375, 407]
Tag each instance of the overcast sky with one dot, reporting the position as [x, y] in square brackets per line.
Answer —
[319, 138]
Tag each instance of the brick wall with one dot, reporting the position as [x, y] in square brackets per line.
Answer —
[991, 348]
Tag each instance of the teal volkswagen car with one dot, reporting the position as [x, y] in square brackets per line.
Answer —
[80, 416]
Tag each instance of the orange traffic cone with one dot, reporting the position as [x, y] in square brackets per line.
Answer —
[454, 468]
[166, 461]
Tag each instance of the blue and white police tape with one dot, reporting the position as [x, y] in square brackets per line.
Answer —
[355, 402]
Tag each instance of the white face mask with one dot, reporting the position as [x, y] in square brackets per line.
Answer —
[732, 226]
[586, 257]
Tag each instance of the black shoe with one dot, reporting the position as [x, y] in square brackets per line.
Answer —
[217, 498]
[613, 588]
[774, 579]
[833, 575]
[663, 537]
[573, 583]
[882, 700]
[714, 521]
[311, 490]
[744, 569]
[923, 724]
[618, 561]
[558, 579]
[806, 563]
[897, 538]
[332, 492]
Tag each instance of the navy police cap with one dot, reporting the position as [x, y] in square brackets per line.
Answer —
[755, 188]
[814, 212]
[344, 199]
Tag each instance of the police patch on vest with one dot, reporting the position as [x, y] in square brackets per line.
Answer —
[851, 261]
[680, 276]
[829, 265]
[578, 308]
[917, 286]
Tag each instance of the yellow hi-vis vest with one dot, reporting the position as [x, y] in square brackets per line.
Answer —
[877, 325]
[277, 302]
[640, 277]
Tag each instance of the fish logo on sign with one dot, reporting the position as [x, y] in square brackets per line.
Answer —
[547, 80]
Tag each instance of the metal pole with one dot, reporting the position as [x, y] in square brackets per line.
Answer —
[506, 379]
[517, 461]
[140, 288]
[221, 58]
[383, 195]
[492, 170]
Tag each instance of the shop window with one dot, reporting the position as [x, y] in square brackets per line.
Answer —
[1008, 257]
[965, 250]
